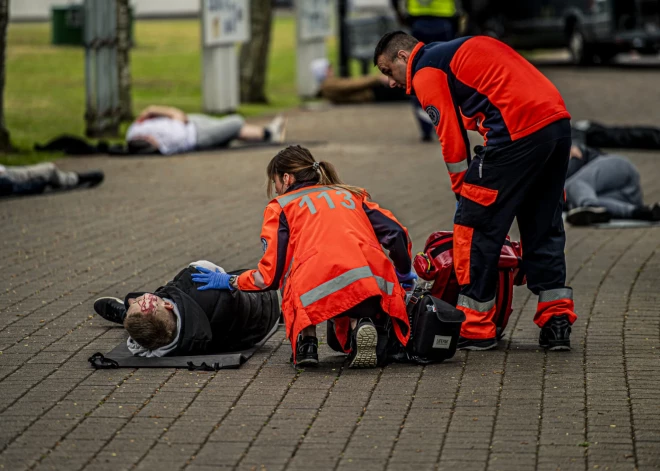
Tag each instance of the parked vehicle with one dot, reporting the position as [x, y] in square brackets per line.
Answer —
[592, 30]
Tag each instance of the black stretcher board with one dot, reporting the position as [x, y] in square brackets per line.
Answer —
[626, 224]
[121, 357]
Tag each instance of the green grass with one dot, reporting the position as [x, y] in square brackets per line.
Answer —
[45, 87]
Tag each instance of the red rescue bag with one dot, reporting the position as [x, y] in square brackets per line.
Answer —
[436, 263]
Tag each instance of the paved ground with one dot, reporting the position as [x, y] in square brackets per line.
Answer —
[597, 407]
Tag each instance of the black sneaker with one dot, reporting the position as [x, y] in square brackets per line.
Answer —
[364, 340]
[90, 179]
[476, 344]
[499, 333]
[556, 333]
[307, 352]
[588, 215]
[111, 309]
[647, 213]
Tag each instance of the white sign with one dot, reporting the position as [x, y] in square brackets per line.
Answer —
[440, 341]
[315, 19]
[225, 22]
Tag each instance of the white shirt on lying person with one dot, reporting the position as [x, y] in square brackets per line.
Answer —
[173, 136]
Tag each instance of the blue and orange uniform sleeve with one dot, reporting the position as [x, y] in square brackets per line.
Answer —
[275, 244]
[391, 234]
[431, 86]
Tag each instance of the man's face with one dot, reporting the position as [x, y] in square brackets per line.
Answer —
[147, 305]
[395, 69]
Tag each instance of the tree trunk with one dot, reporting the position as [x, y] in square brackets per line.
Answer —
[5, 145]
[123, 60]
[254, 53]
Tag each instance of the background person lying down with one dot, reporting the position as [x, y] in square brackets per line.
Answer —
[178, 319]
[167, 130]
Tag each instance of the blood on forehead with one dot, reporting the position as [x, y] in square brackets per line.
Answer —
[148, 303]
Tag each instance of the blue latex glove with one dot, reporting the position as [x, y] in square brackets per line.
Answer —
[213, 279]
[407, 279]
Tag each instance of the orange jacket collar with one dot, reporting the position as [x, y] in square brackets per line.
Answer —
[411, 59]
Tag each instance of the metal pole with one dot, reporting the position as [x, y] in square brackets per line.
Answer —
[342, 13]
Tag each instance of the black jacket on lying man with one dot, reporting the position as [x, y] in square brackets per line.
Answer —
[178, 319]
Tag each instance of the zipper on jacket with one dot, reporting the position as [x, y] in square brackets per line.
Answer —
[481, 167]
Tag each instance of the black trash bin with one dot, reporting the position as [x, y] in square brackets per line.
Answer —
[68, 24]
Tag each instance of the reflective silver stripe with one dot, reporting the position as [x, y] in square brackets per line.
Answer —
[286, 276]
[384, 285]
[342, 281]
[555, 295]
[421, 114]
[288, 198]
[457, 167]
[474, 304]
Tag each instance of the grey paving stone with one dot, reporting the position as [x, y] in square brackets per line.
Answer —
[477, 411]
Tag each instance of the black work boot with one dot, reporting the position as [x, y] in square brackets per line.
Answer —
[90, 179]
[556, 333]
[307, 352]
[364, 340]
[111, 309]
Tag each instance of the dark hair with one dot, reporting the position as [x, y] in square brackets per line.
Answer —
[299, 162]
[148, 330]
[393, 42]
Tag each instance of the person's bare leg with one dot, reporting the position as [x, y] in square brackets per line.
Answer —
[250, 132]
[274, 132]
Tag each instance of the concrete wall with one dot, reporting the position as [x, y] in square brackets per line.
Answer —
[39, 10]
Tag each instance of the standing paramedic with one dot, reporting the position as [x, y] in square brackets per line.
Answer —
[322, 247]
[480, 84]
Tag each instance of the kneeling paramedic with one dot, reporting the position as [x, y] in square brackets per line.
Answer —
[480, 84]
[322, 247]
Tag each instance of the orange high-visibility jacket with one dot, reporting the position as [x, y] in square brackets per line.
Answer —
[322, 247]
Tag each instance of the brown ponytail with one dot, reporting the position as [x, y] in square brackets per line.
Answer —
[299, 162]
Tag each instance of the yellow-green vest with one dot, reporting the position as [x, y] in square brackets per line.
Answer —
[442, 8]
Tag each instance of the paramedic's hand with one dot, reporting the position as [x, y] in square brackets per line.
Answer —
[213, 279]
[407, 279]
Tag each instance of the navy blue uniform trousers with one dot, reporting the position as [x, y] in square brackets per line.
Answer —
[528, 177]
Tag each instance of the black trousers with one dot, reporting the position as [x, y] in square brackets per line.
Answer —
[523, 180]
[369, 308]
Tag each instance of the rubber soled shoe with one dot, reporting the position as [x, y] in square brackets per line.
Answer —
[476, 344]
[111, 309]
[364, 340]
[90, 179]
[307, 352]
[556, 333]
[588, 215]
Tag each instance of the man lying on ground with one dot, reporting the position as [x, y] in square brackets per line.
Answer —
[167, 130]
[178, 319]
[33, 179]
[600, 187]
[594, 134]
[344, 90]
